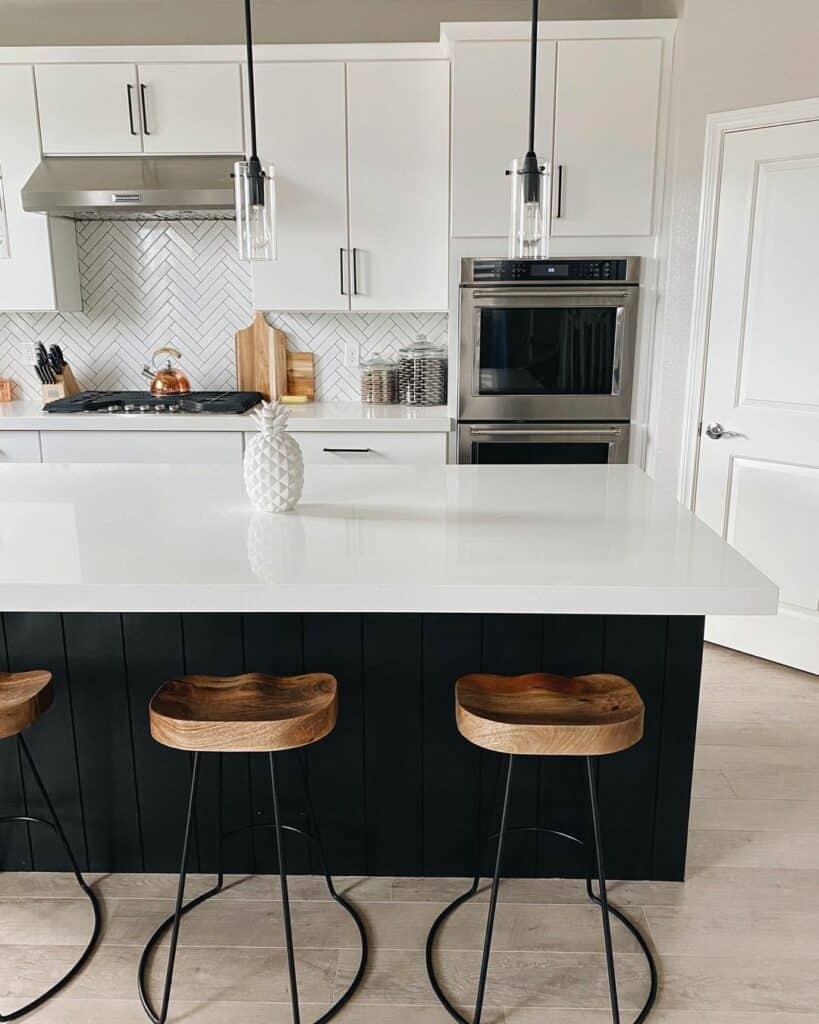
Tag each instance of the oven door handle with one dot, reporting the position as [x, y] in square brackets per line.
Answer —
[554, 432]
[524, 291]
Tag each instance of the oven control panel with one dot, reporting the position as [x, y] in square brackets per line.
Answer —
[539, 271]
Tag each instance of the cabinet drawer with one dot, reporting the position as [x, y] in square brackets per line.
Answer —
[371, 449]
[19, 446]
[142, 446]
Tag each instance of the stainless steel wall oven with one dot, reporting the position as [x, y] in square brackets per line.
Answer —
[547, 349]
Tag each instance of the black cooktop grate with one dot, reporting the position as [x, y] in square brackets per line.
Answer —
[195, 401]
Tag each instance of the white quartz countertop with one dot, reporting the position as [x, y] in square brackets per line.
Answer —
[313, 416]
[570, 539]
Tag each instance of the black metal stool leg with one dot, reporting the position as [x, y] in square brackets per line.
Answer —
[56, 826]
[493, 897]
[603, 896]
[288, 926]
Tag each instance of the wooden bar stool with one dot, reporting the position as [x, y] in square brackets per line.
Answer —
[24, 699]
[545, 715]
[245, 714]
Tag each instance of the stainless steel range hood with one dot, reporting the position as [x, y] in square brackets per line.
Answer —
[132, 187]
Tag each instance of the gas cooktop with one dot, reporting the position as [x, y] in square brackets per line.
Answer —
[144, 403]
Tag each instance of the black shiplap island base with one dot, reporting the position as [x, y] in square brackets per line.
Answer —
[394, 580]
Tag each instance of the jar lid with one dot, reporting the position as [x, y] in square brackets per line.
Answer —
[378, 361]
[423, 350]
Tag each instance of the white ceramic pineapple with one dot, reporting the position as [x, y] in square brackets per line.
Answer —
[274, 467]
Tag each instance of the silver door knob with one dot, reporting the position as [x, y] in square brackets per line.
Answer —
[716, 430]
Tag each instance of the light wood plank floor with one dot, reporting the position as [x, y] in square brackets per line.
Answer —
[738, 943]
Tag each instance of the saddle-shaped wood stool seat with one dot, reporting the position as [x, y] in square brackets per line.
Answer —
[247, 713]
[24, 698]
[546, 714]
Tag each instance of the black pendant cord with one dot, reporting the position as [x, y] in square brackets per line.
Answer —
[251, 85]
[532, 76]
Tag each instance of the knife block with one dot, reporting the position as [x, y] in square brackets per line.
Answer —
[66, 384]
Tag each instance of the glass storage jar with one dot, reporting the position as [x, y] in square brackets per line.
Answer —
[379, 380]
[422, 373]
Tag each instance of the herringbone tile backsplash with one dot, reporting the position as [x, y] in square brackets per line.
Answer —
[149, 283]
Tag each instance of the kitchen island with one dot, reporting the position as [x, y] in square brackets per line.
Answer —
[397, 580]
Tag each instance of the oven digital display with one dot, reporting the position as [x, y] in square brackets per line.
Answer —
[550, 270]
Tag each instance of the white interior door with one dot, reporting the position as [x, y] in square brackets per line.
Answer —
[398, 138]
[301, 123]
[758, 483]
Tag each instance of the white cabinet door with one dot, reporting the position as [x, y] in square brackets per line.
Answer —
[302, 132]
[398, 130]
[142, 446]
[38, 255]
[191, 108]
[605, 136]
[19, 446]
[758, 473]
[88, 108]
[370, 448]
[490, 126]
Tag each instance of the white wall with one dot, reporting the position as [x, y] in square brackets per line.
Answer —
[729, 54]
[105, 22]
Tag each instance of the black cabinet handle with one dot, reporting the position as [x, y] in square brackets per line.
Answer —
[355, 271]
[341, 270]
[356, 451]
[129, 90]
[144, 112]
[559, 191]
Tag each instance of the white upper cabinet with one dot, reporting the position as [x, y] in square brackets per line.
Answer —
[38, 255]
[605, 136]
[490, 126]
[301, 129]
[191, 108]
[150, 108]
[398, 125]
[88, 108]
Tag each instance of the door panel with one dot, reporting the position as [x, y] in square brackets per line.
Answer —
[302, 132]
[490, 123]
[84, 108]
[606, 107]
[191, 108]
[758, 484]
[398, 125]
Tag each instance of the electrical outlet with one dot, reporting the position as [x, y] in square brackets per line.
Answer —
[31, 352]
[351, 354]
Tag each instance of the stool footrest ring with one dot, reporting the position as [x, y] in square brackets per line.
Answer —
[345, 904]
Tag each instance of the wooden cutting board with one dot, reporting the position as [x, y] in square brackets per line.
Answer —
[261, 359]
[301, 377]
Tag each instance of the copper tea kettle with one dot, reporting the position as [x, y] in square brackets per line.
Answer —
[167, 379]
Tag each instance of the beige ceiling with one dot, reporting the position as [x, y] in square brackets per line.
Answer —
[76, 22]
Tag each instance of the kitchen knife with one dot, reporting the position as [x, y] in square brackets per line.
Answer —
[55, 359]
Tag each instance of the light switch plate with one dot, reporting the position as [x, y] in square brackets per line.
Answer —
[351, 356]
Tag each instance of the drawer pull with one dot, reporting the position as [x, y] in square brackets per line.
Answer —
[356, 451]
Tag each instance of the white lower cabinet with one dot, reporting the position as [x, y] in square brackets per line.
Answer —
[366, 448]
[19, 446]
[141, 446]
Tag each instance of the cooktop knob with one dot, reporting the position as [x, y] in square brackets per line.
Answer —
[173, 408]
[129, 408]
[112, 408]
[160, 407]
[145, 408]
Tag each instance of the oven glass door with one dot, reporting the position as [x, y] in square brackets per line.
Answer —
[553, 444]
[546, 353]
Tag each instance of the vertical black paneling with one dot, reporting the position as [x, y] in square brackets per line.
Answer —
[15, 848]
[153, 653]
[572, 645]
[394, 737]
[635, 648]
[677, 733]
[214, 645]
[451, 648]
[36, 641]
[513, 645]
[102, 727]
[332, 643]
[273, 645]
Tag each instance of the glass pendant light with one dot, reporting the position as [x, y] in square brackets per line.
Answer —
[530, 182]
[254, 185]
